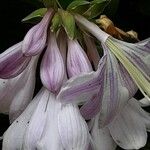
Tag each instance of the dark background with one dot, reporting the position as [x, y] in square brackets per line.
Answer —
[131, 14]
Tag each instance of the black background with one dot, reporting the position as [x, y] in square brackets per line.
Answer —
[131, 14]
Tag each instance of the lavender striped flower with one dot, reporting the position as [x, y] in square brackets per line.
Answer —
[127, 53]
[128, 130]
[13, 62]
[35, 40]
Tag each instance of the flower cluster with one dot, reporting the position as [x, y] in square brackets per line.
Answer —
[86, 102]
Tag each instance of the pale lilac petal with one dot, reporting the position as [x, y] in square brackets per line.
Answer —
[23, 90]
[62, 44]
[12, 62]
[128, 129]
[73, 130]
[138, 54]
[144, 102]
[8, 92]
[115, 93]
[5, 95]
[36, 124]
[145, 43]
[92, 51]
[145, 116]
[16, 93]
[83, 87]
[35, 40]
[77, 60]
[93, 106]
[52, 67]
[13, 137]
[50, 139]
[101, 137]
[92, 145]
[128, 81]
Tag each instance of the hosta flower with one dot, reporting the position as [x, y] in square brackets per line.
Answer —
[35, 40]
[45, 118]
[128, 129]
[92, 51]
[77, 60]
[52, 66]
[16, 93]
[108, 76]
[13, 62]
[13, 137]
[113, 93]
[73, 128]
[46, 124]
[103, 89]
[134, 57]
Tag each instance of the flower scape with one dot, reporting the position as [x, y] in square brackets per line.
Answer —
[89, 79]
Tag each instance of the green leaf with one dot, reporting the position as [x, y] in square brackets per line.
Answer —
[96, 8]
[35, 16]
[78, 6]
[56, 23]
[68, 22]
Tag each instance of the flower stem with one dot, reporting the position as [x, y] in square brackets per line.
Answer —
[92, 28]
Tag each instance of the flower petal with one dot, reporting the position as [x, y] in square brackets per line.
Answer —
[50, 139]
[93, 106]
[13, 137]
[92, 28]
[144, 102]
[138, 109]
[92, 51]
[16, 93]
[115, 93]
[35, 40]
[128, 129]
[12, 62]
[62, 44]
[141, 79]
[36, 124]
[83, 87]
[101, 137]
[23, 90]
[138, 54]
[52, 67]
[128, 81]
[77, 60]
[73, 130]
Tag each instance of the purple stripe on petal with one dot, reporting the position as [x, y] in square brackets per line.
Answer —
[83, 87]
[115, 95]
[12, 62]
[77, 60]
[92, 51]
[93, 106]
[35, 40]
[52, 66]
[128, 81]
[138, 60]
